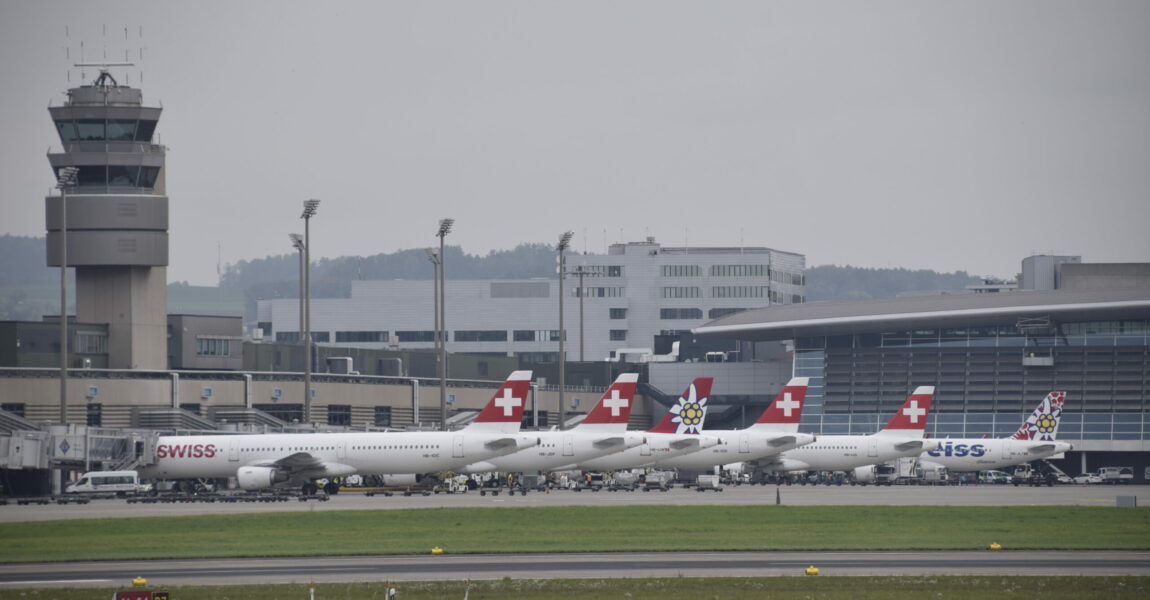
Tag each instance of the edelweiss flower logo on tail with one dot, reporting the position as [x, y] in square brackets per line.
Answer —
[1043, 423]
[689, 412]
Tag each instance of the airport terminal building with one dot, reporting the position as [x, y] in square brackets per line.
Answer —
[631, 302]
[991, 357]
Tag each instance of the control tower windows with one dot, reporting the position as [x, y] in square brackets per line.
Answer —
[99, 130]
[90, 130]
[121, 130]
[117, 176]
[67, 130]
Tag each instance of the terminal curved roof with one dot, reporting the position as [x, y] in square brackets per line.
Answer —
[924, 312]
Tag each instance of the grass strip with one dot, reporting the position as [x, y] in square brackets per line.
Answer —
[579, 529]
[822, 588]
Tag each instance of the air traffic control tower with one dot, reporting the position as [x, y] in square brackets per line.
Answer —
[117, 219]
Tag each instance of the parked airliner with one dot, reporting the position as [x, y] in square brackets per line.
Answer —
[902, 436]
[603, 431]
[1034, 440]
[259, 461]
[774, 432]
[675, 435]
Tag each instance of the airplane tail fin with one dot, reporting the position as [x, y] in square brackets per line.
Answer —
[687, 414]
[1043, 422]
[614, 408]
[504, 412]
[910, 420]
[787, 409]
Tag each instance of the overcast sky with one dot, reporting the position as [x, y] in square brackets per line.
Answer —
[941, 135]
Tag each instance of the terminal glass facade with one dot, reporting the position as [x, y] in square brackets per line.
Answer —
[987, 379]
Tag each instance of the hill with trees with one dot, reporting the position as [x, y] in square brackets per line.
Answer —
[28, 288]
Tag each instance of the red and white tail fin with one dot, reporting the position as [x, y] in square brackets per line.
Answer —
[1043, 422]
[504, 412]
[614, 408]
[910, 420]
[687, 414]
[787, 409]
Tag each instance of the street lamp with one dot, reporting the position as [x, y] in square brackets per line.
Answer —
[297, 243]
[580, 272]
[64, 180]
[441, 336]
[433, 256]
[564, 243]
[309, 207]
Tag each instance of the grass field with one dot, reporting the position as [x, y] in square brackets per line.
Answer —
[815, 588]
[579, 529]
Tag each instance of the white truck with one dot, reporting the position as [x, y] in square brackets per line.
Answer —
[1116, 475]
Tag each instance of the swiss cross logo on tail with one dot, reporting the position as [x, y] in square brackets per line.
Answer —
[615, 403]
[788, 405]
[506, 405]
[614, 407]
[508, 402]
[912, 414]
[1043, 422]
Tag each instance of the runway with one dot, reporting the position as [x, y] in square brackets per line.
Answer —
[974, 495]
[551, 566]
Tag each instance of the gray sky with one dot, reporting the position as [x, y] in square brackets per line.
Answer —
[943, 135]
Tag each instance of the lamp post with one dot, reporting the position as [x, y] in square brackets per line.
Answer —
[433, 256]
[297, 243]
[64, 180]
[564, 242]
[309, 207]
[441, 335]
[581, 272]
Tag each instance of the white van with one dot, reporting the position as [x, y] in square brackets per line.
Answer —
[121, 483]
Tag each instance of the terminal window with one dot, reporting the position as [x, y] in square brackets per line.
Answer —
[339, 414]
[383, 416]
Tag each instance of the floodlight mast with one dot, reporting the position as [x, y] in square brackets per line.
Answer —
[309, 210]
[561, 248]
[297, 243]
[441, 320]
[65, 179]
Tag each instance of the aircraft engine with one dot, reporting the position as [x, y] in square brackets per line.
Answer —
[259, 478]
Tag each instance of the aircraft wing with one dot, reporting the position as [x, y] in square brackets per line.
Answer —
[607, 442]
[909, 445]
[303, 465]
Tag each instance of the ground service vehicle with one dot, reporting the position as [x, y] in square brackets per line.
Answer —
[1115, 475]
[1087, 478]
[121, 483]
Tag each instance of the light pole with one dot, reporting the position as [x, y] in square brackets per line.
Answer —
[309, 207]
[564, 242]
[581, 272]
[65, 180]
[441, 336]
[433, 256]
[297, 243]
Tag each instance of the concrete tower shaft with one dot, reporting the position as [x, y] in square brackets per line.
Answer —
[117, 218]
